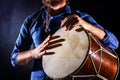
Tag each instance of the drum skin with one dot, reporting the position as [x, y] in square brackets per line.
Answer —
[78, 55]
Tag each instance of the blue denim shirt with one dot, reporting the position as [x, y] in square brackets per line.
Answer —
[33, 32]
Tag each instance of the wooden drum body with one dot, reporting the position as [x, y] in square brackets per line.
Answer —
[78, 55]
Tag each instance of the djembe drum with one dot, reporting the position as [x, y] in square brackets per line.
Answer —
[78, 55]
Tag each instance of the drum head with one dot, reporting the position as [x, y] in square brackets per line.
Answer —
[69, 55]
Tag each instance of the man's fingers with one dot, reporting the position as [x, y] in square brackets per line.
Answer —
[69, 22]
[42, 53]
[45, 41]
[63, 22]
[72, 24]
[44, 46]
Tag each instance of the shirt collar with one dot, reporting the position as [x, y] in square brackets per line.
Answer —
[67, 9]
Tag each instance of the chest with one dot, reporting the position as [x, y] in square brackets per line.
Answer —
[39, 34]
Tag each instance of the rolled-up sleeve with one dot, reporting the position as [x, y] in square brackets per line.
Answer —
[110, 40]
[22, 43]
[14, 61]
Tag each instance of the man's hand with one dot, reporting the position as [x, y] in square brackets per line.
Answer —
[71, 21]
[41, 49]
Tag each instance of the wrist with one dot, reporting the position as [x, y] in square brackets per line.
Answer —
[31, 53]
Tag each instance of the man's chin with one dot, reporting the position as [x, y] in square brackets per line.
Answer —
[55, 8]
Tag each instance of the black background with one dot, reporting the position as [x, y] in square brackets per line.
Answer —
[13, 13]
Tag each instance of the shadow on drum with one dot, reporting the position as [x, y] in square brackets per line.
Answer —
[79, 29]
[55, 42]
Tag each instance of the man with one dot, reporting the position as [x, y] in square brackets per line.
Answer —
[38, 27]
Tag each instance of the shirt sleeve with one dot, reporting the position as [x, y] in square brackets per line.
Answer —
[22, 43]
[110, 39]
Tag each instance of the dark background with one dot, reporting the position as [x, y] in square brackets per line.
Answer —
[13, 13]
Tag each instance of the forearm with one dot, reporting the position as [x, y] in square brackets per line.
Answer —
[24, 58]
[99, 33]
